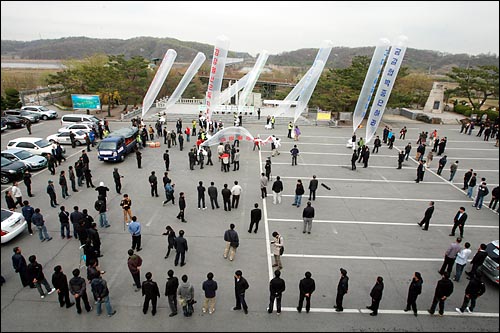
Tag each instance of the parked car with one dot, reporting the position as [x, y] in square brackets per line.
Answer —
[13, 224]
[4, 124]
[33, 118]
[13, 122]
[11, 170]
[32, 162]
[64, 139]
[44, 112]
[69, 119]
[37, 146]
[490, 264]
[85, 127]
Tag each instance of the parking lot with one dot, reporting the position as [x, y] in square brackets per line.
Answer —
[366, 223]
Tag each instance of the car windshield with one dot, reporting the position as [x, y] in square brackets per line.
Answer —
[492, 252]
[107, 145]
[80, 133]
[6, 214]
[43, 143]
[43, 108]
[23, 154]
[5, 162]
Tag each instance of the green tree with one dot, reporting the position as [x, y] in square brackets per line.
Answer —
[477, 84]
[3, 103]
[12, 100]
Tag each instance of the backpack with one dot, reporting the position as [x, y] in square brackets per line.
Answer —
[98, 288]
[97, 205]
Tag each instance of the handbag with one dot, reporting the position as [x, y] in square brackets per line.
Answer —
[282, 249]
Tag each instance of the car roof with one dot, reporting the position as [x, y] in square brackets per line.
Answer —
[13, 150]
[26, 139]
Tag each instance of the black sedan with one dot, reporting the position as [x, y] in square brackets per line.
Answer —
[13, 122]
[11, 170]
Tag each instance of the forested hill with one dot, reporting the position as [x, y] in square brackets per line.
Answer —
[149, 47]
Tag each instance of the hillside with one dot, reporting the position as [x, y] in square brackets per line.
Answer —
[149, 48]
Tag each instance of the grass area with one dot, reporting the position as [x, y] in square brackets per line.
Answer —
[24, 79]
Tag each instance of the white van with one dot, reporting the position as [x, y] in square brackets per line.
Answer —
[69, 119]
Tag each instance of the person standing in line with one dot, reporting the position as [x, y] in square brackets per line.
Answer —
[376, 295]
[477, 260]
[263, 185]
[299, 191]
[209, 156]
[117, 178]
[166, 159]
[427, 216]
[64, 220]
[27, 181]
[306, 288]
[494, 198]
[414, 290]
[101, 207]
[453, 170]
[235, 192]
[255, 217]
[134, 263]
[126, 204]
[152, 292]
[138, 156]
[75, 217]
[232, 242]
[201, 196]
[459, 221]
[181, 247]
[209, 286]
[473, 291]
[78, 288]
[36, 276]
[236, 161]
[277, 190]
[170, 239]
[171, 292]
[342, 289]
[101, 294]
[51, 164]
[482, 191]
[354, 157]
[290, 128]
[444, 289]
[226, 198]
[471, 185]
[28, 212]
[134, 228]
[212, 194]
[276, 288]
[102, 190]
[181, 142]
[376, 144]
[240, 286]
[11, 204]
[52, 194]
[186, 296]
[169, 192]
[420, 171]
[17, 194]
[19, 264]
[88, 177]
[467, 177]
[72, 178]
[64, 184]
[267, 167]
[39, 222]
[407, 151]
[461, 261]
[153, 182]
[450, 256]
[442, 163]
[401, 158]
[60, 282]
[294, 152]
[313, 186]
[278, 249]
[182, 207]
[201, 158]
[307, 216]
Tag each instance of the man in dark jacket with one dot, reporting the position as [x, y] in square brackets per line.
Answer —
[376, 295]
[467, 177]
[101, 294]
[459, 221]
[212, 194]
[420, 171]
[153, 182]
[354, 157]
[240, 286]
[427, 216]
[94, 237]
[201, 195]
[78, 288]
[276, 289]
[306, 288]
[37, 277]
[307, 216]
[232, 242]
[342, 289]
[444, 289]
[181, 247]
[478, 259]
[171, 292]
[474, 290]
[226, 198]
[255, 217]
[401, 158]
[151, 291]
[366, 156]
[134, 264]
[209, 286]
[182, 207]
[442, 163]
[52, 194]
[19, 263]
[60, 282]
[277, 190]
[117, 178]
[313, 186]
[413, 292]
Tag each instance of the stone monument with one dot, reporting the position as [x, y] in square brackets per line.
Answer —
[435, 102]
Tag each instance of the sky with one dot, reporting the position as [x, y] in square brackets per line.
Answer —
[453, 27]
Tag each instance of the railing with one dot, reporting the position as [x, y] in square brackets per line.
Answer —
[162, 102]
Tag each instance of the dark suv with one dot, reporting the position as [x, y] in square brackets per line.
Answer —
[11, 170]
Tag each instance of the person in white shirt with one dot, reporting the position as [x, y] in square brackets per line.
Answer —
[461, 261]
[16, 193]
[235, 191]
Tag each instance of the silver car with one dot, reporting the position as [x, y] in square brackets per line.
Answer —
[32, 162]
[490, 264]
[64, 139]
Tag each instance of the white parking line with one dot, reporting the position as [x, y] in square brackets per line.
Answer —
[394, 156]
[406, 224]
[383, 199]
[266, 227]
[393, 312]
